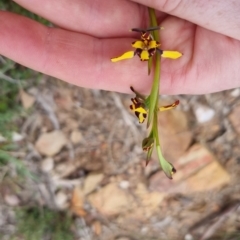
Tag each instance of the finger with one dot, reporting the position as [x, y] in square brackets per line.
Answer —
[76, 58]
[97, 18]
[219, 16]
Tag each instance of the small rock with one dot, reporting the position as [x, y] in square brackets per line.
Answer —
[195, 159]
[16, 137]
[91, 182]
[61, 200]
[208, 178]
[204, 113]
[111, 200]
[197, 170]
[51, 143]
[12, 200]
[124, 184]
[123, 238]
[188, 237]
[76, 137]
[47, 165]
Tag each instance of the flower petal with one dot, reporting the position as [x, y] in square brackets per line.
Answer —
[144, 56]
[138, 44]
[141, 115]
[171, 54]
[168, 107]
[126, 55]
[153, 44]
[139, 110]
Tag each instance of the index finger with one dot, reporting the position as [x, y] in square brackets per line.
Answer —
[76, 58]
[97, 18]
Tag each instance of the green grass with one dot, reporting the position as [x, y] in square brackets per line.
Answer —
[37, 224]
[32, 223]
[13, 77]
[7, 160]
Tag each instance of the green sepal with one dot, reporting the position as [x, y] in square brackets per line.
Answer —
[147, 143]
[149, 154]
[166, 166]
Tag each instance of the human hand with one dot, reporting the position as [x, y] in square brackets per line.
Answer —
[91, 32]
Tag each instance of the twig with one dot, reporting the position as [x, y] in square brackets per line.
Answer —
[215, 226]
[84, 231]
[59, 183]
[46, 103]
[110, 140]
[8, 79]
[71, 150]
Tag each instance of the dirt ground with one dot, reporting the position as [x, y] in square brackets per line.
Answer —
[84, 146]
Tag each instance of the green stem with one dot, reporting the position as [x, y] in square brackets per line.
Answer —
[153, 101]
[156, 81]
[153, 22]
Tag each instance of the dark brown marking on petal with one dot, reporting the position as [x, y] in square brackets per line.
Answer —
[159, 50]
[137, 114]
[151, 52]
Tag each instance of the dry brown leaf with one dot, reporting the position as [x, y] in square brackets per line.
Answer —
[97, 228]
[91, 182]
[77, 202]
[26, 99]
[234, 118]
[51, 143]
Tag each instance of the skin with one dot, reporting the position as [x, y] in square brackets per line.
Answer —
[89, 33]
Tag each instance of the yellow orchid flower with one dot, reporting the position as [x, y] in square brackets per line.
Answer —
[139, 106]
[139, 110]
[146, 47]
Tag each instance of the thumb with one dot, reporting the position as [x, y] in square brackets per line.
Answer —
[220, 16]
